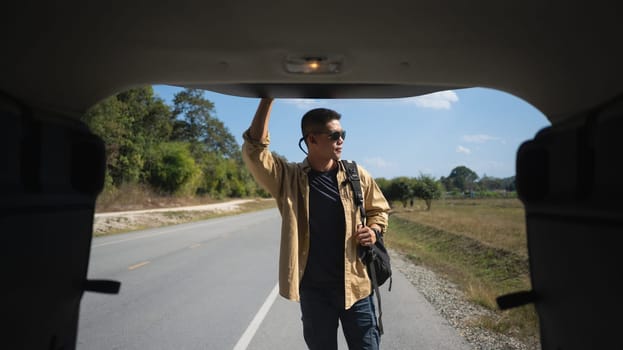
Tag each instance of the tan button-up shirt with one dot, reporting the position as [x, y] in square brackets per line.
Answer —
[288, 184]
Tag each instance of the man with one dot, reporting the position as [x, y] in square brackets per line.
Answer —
[321, 230]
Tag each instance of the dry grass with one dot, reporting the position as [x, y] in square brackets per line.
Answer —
[137, 197]
[479, 244]
[132, 222]
[498, 223]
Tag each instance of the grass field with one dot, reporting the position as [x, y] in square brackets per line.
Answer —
[480, 244]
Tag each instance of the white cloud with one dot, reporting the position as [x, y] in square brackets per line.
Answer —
[480, 138]
[436, 100]
[461, 149]
[302, 103]
[377, 162]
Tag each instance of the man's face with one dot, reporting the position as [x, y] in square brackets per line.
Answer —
[326, 144]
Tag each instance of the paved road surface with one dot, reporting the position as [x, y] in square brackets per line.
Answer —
[211, 285]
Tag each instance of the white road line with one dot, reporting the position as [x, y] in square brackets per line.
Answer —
[244, 341]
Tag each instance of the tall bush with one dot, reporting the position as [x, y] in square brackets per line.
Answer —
[172, 168]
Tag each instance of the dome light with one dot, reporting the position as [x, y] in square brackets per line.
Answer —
[310, 64]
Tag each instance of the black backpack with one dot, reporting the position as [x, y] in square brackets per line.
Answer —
[376, 257]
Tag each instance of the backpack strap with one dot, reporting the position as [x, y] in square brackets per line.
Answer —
[355, 182]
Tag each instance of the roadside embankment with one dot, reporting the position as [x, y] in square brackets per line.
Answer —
[477, 246]
[124, 221]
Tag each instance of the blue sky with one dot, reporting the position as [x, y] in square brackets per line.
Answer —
[431, 134]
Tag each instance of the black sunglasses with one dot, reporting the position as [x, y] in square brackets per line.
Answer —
[335, 135]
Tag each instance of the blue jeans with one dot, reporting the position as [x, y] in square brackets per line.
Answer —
[321, 310]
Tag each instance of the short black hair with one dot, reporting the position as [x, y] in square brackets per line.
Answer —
[316, 119]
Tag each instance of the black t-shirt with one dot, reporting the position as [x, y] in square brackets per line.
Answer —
[325, 264]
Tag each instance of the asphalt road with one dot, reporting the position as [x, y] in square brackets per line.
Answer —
[212, 285]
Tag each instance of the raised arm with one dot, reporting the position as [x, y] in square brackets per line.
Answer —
[266, 169]
[259, 126]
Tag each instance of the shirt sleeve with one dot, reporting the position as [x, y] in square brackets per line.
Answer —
[267, 169]
[377, 207]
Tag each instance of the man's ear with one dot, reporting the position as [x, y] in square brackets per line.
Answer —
[312, 139]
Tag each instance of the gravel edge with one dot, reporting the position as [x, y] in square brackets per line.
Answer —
[451, 304]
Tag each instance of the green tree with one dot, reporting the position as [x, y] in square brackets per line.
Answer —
[129, 123]
[172, 168]
[152, 116]
[228, 178]
[124, 160]
[461, 178]
[489, 183]
[138, 128]
[194, 122]
[400, 189]
[427, 188]
[509, 184]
